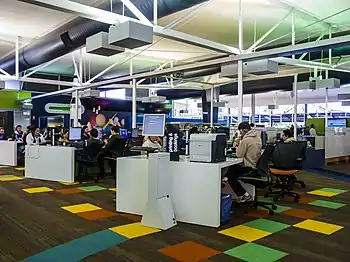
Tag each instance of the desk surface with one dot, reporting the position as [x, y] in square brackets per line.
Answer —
[186, 160]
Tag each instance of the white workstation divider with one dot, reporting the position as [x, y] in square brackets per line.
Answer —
[8, 153]
[52, 163]
[337, 142]
[195, 190]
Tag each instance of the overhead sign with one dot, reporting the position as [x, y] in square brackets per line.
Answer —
[54, 108]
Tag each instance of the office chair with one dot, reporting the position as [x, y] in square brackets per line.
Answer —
[88, 157]
[261, 178]
[287, 160]
[117, 150]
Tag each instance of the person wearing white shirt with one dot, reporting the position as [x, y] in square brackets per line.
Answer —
[152, 142]
[34, 137]
[313, 130]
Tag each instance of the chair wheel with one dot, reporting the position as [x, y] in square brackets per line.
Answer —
[296, 199]
[303, 185]
[274, 207]
[275, 199]
[271, 213]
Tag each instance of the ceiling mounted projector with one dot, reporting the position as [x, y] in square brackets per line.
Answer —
[260, 67]
[98, 45]
[130, 35]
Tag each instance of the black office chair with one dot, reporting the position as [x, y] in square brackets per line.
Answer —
[86, 158]
[261, 178]
[287, 160]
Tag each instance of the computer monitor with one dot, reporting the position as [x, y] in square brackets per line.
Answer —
[74, 133]
[135, 133]
[124, 133]
[100, 132]
[337, 122]
[153, 125]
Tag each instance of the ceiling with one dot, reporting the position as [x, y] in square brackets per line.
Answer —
[216, 21]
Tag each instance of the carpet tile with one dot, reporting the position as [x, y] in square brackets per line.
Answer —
[69, 191]
[244, 233]
[80, 248]
[81, 208]
[189, 252]
[327, 204]
[267, 225]
[92, 188]
[305, 214]
[320, 227]
[97, 214]
[134, 230]
[35, 190]
[252, 252]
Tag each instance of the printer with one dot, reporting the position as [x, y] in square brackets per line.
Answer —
[208, 148]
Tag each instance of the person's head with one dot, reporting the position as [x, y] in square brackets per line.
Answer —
[287, 134]
[94, 133]
[19, 128]
[85, 129]
[65, 134]
[252, 125]
[153, 138]
[114, 130]
[312, 126]
[35, 131]
[193, 130]
[243, 128]
[29, 128]
[2, 131]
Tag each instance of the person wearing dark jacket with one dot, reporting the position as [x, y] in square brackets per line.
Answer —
[2, 134]
[114, 147]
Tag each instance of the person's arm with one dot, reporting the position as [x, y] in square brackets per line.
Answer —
[29, 140]
[109, 144]
[241, 149]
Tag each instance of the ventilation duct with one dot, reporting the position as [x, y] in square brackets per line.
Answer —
[73, 35]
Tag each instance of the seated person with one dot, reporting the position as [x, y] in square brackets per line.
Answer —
[287, 136]
[152, 142]
[18, 133]
[34, 137]
[114, 147]
[2, 134]
[64, 138]
[249, 148]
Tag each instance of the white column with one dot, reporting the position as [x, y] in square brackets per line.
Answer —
[240, 63]
[212, 106]
[17, 58]
[295, 92]
[252, 105]
[133, 85]
[155, 12]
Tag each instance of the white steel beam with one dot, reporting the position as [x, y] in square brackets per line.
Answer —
[157, 69]
[82, 10]
[136, 12]
[155, 12]
[4, 72]
[40, 67]
[318, 39]
[309, 64]
[17, 58]
[262, 38]
[194, 40]
[270, 53]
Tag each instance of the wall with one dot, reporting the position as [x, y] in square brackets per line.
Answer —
[8, 99]
[20, 119]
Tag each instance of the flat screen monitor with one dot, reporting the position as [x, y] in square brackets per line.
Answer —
[153, 124]
[135, 133]
[337, 122]
[124, 133]
[100, 132]
[74, 133]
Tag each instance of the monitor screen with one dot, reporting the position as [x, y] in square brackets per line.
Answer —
[337, 122]
[153, 125]
[135, 133]
[100, 132]
[124, 133]
[75, 133]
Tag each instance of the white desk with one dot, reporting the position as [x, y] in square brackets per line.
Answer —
[195, 193]
[8, 153]
[52, 163]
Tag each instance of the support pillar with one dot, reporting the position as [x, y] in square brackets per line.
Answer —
[252, 105]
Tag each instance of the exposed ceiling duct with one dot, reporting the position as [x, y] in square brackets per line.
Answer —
[73, 34]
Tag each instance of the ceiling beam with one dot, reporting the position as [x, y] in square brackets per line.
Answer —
[112, 18]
